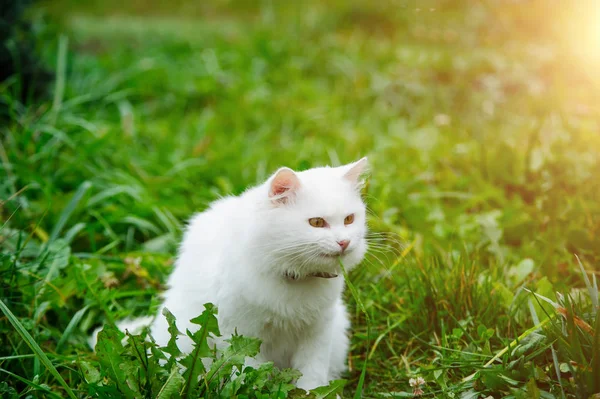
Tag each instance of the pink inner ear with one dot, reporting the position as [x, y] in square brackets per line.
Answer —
[281, 186]
[285, 180]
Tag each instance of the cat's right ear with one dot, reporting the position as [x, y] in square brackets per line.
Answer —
[283, 186]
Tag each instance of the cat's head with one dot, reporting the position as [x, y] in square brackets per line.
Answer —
[314, 218]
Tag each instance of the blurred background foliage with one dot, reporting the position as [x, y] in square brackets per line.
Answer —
[18, 58]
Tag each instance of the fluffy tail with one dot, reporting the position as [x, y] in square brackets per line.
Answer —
[134, 326]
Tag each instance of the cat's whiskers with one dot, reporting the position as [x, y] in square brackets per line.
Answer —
[391, 243]
[376, 252]
[297, 255]
[279, 247]
[380, 265]
[309, 260]
[383, 250]
[282, 246]
[377, 266]
[385, 246]
[290, 254]
[294, 257]
[376, 257]
[387, 235]
[281, 253]
[309, 255]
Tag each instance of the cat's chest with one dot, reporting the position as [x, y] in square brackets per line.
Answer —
[268, 324]
[276, 325]
[277, 315]
[295, 304]
[276, 309]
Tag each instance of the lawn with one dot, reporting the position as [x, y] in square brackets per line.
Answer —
[481, 121]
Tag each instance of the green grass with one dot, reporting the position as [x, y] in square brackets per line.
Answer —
[481, 125]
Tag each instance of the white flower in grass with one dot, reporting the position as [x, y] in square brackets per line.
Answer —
[415, 384]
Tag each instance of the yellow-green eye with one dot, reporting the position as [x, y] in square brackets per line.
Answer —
[317, 222]
[349, 219]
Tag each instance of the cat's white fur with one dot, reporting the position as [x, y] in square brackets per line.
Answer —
[255, 256]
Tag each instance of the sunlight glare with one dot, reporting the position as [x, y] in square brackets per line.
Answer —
[585, 35]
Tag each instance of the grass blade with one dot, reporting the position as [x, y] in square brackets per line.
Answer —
[595, 363]
[593, 290]
[31, 384]
[71, 326]
[35, 347]
[354, 292]
[68, 211]
[508, 347]
[61, 71]
[386, 332]
[557, 370]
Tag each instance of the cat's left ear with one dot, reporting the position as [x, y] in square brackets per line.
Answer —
[283, 186]
[355, 171]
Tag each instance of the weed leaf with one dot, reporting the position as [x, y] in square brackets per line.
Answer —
[110, 354]
[330, 391]
[172, 386]
[193, 361]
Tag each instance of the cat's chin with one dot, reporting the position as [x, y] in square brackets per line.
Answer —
[330, 256]
[325, 266]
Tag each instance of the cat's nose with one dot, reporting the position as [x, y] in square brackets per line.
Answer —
[343, 244]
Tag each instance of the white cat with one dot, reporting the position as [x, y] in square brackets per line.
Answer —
[268, 259]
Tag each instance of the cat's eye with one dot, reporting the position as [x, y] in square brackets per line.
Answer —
[349, 219]
[317, 222]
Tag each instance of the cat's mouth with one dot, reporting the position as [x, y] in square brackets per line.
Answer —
[294, 277]
[330, 256]
[323, 275]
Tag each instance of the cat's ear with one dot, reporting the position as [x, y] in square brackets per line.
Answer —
[283, 186]
[355, 171]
